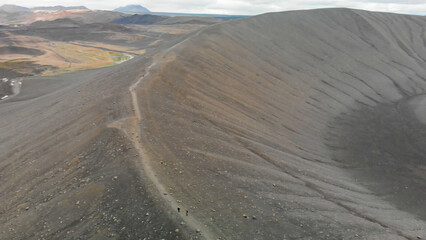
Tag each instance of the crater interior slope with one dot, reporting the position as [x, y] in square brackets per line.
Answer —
[294, 125]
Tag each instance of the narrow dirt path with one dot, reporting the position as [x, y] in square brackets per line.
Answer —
[131, 128]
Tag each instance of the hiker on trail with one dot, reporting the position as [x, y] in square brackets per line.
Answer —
[178, 209]
[186, 212]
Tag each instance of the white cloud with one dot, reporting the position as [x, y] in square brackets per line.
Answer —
[249, 7]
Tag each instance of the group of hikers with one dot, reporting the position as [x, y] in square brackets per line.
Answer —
[186, 211]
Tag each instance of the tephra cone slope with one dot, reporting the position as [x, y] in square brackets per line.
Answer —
[295, 125]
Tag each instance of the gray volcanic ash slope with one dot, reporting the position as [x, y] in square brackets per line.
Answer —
[295, 125]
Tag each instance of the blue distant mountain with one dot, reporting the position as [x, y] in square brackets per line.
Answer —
[132, 9]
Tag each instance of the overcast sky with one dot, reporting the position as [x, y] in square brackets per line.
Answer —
[246, 7]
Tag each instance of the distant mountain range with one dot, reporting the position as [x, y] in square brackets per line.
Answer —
[138, 9]
[129, 9]
[61, 8]
[14, 8]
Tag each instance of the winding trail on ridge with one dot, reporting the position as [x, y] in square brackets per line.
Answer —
[131, 128]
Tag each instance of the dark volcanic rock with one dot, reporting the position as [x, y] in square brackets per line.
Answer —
[57, 23]
[190, 20]
[20, 50]
[7, 73]
[146, 19]
[69, 30]
[107, 27]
